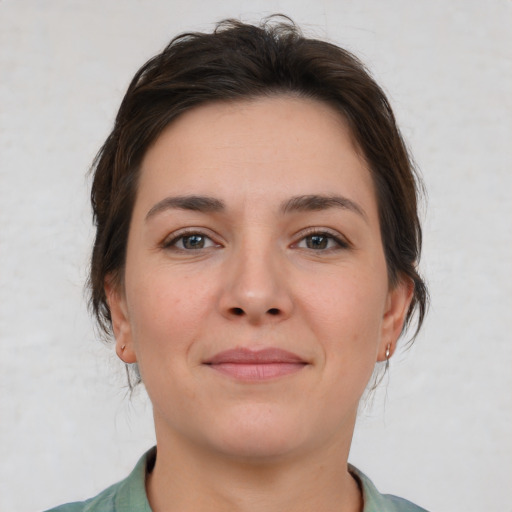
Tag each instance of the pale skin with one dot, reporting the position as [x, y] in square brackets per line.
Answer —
[255, 226]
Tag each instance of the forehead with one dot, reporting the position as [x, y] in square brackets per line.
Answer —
[267, 147]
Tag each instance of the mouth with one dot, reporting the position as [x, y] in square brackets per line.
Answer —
[256, 365]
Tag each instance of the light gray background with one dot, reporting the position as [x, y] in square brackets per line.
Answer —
[439, 431]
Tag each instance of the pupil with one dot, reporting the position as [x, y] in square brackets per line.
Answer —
[193, 242]
[317, 242]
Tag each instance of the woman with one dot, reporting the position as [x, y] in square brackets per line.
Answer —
[255, 257]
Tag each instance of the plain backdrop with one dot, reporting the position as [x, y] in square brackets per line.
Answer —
[439, 431]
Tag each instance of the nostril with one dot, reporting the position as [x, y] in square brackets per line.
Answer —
[241, 311]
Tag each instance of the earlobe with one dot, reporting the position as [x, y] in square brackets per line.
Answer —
[125, 353]
[120, 321]
[397, 305]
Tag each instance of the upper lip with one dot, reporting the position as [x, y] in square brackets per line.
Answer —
[261, 356]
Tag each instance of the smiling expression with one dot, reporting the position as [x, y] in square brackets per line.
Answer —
[255, 296]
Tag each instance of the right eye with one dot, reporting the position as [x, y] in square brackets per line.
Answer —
[190, 242]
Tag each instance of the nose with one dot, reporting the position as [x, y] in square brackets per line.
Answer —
[255, 288]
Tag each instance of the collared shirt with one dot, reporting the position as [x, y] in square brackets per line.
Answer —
[129, 495]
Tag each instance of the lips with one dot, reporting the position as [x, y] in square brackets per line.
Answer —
[256, 365]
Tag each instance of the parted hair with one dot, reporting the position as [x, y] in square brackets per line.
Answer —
[240, 61]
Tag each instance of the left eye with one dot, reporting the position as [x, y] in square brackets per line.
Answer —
[193, 241]
[319, 241]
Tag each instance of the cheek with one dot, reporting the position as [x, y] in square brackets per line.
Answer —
[346, 313]
[346, 301]
[163, 316]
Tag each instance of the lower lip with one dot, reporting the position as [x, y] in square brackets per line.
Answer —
[257, 371]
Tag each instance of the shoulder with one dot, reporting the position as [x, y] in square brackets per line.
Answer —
[396, 504]
[374, 501]
[125, 496]
[103, 501]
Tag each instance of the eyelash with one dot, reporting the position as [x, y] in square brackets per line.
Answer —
[340, 242]
[172, 243]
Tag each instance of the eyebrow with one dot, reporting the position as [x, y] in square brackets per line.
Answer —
[203, 204]
[303, 203]
[317, 202]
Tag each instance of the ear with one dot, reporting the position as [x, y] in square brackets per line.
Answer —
[397, 304]
[120, 320]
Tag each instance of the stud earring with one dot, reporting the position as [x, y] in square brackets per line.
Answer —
[388, 351]
[124, 346]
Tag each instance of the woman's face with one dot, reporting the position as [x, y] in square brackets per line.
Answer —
[256, 297]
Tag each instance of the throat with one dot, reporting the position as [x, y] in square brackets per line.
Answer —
[244, 488]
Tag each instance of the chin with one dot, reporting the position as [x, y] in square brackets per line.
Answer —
[259, 436]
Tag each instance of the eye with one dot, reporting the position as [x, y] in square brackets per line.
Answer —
[190, 242]
[321, 241]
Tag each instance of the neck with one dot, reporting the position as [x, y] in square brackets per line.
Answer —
[186, 477]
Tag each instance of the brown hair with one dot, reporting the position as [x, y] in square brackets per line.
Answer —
[241, 61]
